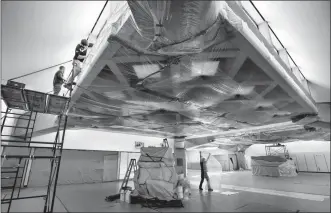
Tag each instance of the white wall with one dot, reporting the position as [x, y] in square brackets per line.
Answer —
[86, 139]
[76, 167]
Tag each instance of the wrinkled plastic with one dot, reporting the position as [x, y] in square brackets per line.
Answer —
[156, 176]
[288, 169]
[166, 70]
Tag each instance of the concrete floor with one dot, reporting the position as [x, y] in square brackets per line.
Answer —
[307, 192]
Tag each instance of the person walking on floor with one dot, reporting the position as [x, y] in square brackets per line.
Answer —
[80, 55]
[204, 172]
[58, 80]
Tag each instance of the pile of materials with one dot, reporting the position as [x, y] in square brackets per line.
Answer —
[156, 179]
[288, 169]
[183, 188]
[273, 166]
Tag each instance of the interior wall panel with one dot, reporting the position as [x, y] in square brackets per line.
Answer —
[321, 163]
[312, 162]
[301, 163]
[124, 158]
[327, 159]
[76, 167]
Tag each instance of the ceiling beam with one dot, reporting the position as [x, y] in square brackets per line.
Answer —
[260, 96]
[136, 59]
[214, 55]
[256, 83]
[245, 130]
[252, 42]
[155, 58]
[237, 64]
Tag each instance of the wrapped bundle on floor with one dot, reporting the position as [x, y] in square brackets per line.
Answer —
[156, 177]
[267, 165]
[288, 169]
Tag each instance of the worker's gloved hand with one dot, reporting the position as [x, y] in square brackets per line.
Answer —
[90, 45]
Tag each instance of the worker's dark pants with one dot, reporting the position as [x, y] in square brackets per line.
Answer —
[57, 89]
[204, 175]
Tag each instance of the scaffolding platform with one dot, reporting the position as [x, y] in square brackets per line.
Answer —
[18, 151]
[33, 101]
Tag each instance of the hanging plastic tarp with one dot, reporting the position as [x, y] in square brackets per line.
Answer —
[167, 67]
[156, 176]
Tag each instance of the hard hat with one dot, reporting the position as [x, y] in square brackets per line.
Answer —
[84, 42]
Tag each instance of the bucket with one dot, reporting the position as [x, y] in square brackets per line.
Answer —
[180, 192]
[128, 196]
[122, 195]
[186, 194]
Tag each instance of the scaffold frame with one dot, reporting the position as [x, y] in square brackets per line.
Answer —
[276, 150]
[31, 103]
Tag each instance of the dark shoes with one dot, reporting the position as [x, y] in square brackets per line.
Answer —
[69, 85]
[209, 190]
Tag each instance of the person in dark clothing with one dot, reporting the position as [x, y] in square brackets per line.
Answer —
[79, 57]
[58, 80]
[204, 172]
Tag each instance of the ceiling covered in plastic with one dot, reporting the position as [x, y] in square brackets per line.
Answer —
[175, 69]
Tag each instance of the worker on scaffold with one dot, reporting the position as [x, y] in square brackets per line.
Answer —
[80, 56]
[58, 80]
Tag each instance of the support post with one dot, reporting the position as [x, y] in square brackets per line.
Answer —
[180, 157]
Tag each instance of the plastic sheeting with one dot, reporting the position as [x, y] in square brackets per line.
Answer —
[156, 176]
[273, 166]
[288, 169]
[165, 65]
[241, 160]
[266, 165]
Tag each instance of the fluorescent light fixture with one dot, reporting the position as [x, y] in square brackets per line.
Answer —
[204, 68]
[146, 69]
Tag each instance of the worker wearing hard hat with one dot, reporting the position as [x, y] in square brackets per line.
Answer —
[80, 55]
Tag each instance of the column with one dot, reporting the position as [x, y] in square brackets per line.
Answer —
[180, 156]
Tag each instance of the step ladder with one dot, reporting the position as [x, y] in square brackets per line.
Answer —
[132, 165]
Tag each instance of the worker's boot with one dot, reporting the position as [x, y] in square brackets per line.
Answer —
[69, 85]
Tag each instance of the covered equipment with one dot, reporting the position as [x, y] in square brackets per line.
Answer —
[156, 176]
[273, 166]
